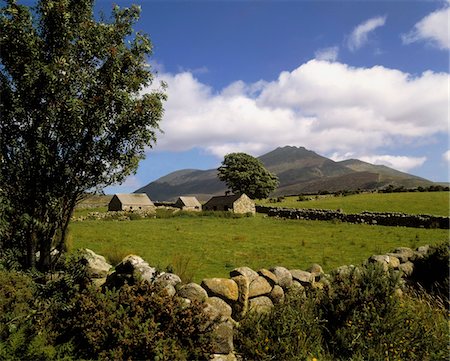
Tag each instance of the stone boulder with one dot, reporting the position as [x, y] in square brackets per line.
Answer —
[131, 270]
[305, 278]
[96, 265]
[284, 277]
[216, 308]
[221, 287]
[193, 292]
[244, 271]
[260, 304]
[258, 287]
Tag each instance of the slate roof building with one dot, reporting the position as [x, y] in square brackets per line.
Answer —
[188, 204]
[237, 203]
[130, 202]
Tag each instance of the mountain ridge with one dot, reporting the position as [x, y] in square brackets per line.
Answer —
[299, 170]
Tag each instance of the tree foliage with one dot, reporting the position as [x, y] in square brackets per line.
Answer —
[245, 174]
[72, 119]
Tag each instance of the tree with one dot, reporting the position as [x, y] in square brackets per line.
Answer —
[72, 117]
[246, 174]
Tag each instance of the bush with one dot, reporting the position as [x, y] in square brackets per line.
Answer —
[135, 322]
[291, 331]
[432, 272]
[360, 315]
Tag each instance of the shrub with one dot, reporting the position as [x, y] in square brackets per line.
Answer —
[291, 331]
[432, 272]
[366, 318]
[134, 322]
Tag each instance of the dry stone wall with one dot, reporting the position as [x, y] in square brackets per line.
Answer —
[373, 218]
[228, 300]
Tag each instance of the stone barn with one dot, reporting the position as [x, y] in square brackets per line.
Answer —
[188, 204]
[130, 202]
[237, 203]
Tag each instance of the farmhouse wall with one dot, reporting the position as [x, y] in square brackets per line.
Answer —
[229, 299]
[374, 218]
[244, 205]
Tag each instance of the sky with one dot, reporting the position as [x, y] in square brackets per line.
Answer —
[346, 79]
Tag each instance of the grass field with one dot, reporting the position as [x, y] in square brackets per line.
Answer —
[211, 247]
[436, 203]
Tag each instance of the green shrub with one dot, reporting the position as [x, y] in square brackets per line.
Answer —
[432, 272]
[360, 315]
[291, 331]
[135, 322]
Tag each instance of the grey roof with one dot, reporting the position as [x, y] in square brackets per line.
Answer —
[138, 199]
[223, 200]
[189, 201]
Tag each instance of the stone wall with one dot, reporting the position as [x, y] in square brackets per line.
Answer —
[374, 218]
[229, 299]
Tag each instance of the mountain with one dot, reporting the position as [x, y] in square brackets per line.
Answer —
[299, 170]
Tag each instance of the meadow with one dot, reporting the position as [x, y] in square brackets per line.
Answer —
[436, 203]
[208, 246]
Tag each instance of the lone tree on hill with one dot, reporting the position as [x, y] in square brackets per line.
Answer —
[245, 174]
[72, 119]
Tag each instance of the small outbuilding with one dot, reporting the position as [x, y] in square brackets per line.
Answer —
[130, 202]
[237, 203]
[188, 204]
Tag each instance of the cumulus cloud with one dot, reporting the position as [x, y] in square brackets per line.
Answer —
[446, 156]
[433, 28]
[360, 34]
[328, 54]
[329, 107]
[402, 163]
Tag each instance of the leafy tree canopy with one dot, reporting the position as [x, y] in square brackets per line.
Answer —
[72, 119]
[245, 174]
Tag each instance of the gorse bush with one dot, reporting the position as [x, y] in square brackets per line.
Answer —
[291, 331]
[359, 316]
[67, 318]
[432, 272]
[135, 322]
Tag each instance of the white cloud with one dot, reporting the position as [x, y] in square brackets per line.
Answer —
[401, 163]
[360, 34]
[328, 54]
[433, 28]
[325, 106]
[446, 156]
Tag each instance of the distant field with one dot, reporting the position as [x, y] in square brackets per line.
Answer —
[436, 203]
[213, 246]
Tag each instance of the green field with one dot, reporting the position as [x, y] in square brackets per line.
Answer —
[214, 246]
[436, 203]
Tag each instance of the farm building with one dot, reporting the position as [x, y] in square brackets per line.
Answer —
[130, 202]
[237, 203]
[188, 204]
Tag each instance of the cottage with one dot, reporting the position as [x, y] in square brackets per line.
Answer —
[130, 202]
[188, 204]
[237, 203]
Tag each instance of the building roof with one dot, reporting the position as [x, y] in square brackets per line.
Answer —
[189, 201]
[140, 199]
[223, 200]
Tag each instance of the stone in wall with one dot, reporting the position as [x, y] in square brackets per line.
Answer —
[269, 276]
[131, 270]
[283, 275]
[260, 304]
[305, 278]
[240, 308]
[277, 295]
[221, 287]
[96, 265]
[258, 287]
[193, 292]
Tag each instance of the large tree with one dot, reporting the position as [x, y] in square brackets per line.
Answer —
[245, 174]
[72, 117]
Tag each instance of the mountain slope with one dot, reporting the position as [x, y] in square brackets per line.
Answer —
[299, 171]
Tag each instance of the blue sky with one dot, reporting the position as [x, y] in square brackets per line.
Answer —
[347, 79]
